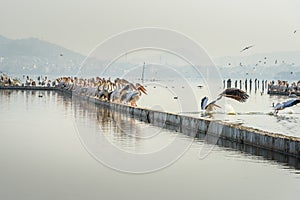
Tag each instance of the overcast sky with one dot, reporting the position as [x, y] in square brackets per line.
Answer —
[222, 27]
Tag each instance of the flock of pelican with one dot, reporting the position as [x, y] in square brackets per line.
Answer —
[123, 91]
[118, 91]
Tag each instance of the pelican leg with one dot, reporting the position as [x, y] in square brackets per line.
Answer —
[132, 103]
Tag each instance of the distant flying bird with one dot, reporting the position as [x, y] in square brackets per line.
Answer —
[275, 61]
[248, 47]
[289, 103]
[233, 93]
[295, 31]
[61, 54]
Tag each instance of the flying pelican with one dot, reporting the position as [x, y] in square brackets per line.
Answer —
[233, 93]
[211, 105]
[248, 47]
[283, 105]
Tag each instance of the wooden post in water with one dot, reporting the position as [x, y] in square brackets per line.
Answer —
[229, 83]
[143, 73]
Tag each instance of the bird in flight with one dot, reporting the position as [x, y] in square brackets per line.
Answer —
[248, 47]
[289, 103]
[295, 31]
[233, 93]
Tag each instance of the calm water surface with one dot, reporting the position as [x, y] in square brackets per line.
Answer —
[43, 157]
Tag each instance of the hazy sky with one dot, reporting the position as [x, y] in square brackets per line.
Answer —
[222, 27]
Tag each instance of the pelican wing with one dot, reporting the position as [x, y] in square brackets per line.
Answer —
[236, 94]
[279, 106]
[211, 105]
[131, 95]
[291, 103]
[204, 103]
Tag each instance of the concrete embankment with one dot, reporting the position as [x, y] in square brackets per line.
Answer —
[194, 127]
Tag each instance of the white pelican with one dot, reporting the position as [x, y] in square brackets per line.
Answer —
[104, 93]
[133, 96]
[283, 105]
[233, 93]
[125, 90]
[116, 94]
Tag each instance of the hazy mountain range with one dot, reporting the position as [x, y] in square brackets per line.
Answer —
[34, 56]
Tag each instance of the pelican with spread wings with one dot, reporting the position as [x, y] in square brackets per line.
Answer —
[233, 93]
[283, 105]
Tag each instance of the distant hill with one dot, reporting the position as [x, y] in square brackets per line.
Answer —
[34, 56]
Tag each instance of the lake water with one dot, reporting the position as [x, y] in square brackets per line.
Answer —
[49, 151]
[256, 112]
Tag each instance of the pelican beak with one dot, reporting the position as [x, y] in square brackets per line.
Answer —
[143, 89]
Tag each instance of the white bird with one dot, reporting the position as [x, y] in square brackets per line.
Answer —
[233, 93]
[283, 105]
[133, 96]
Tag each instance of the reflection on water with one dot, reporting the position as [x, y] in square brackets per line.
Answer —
[44, 152]
[133, 135]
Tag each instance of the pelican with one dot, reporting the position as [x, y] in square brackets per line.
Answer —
[211, 105]
[116, 94]
[248, 47]
[125, 90]
[233, 93]
[283, 105]
[133, 96]
[104, 93]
